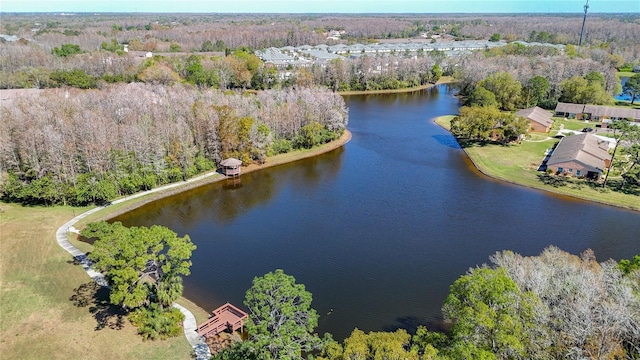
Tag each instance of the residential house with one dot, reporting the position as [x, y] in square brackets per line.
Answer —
[596, 112]
[599, 113]
[580, 155]
[569, 111]
[539, 119]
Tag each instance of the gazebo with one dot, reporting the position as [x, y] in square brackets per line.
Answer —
[226, 317]
[231, 167]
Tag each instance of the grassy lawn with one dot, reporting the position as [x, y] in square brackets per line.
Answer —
[518, 163]
[625, 73]
[38, 278]
[572, 124]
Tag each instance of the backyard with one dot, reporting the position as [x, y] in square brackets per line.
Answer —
[519, 163]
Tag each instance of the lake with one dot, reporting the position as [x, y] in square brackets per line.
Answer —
[623, 96]
[378, 229]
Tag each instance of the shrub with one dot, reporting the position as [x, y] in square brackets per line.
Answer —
[280, 146]
[66, 50]
[154, 323]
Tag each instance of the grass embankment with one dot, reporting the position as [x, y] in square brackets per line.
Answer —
[442, 80]
[39, 319]
[518, 164]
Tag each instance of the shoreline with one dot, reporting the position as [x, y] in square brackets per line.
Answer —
[211, 177]
[443, 80]
[139, 199]
[486, 172]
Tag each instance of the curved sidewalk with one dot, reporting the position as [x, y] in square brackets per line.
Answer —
[190, 326]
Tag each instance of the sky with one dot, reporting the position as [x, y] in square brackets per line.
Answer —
[322, 6]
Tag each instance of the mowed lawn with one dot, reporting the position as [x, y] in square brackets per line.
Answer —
[38, 319]
[518, 163]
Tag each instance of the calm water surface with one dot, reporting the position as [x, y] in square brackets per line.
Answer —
[379, 229]
[623, 96]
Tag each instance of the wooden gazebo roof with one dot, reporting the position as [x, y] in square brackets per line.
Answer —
[231, 166]
[231, 162]
[225, 317]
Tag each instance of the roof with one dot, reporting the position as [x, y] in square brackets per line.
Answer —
[322, 55]
[583, 148]
[273, 54]
[538, 115]
[569, 108]
[615, 112]
[231, 162]
[600, 110]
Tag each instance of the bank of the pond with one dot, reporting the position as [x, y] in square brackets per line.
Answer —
[140, 199]
[443, 80]
[518, 164]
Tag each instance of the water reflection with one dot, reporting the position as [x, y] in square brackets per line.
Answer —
[225, 201]
[377, 230]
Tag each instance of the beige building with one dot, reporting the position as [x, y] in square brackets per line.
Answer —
[580, 155]
[539, 119]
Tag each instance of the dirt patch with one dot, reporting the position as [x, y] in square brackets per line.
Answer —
[222, 340]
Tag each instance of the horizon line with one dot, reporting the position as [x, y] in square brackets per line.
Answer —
[312, 13]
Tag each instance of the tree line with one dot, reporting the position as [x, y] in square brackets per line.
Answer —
[554, 305]
[71, 53]
[617, 33]
[523, 80]
[239, 69]
[78, 147]
[545, 74]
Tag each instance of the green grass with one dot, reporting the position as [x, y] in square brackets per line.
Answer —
[518, 164]
[445, 121]
[625, 73]
[38, 278]
[572, 124]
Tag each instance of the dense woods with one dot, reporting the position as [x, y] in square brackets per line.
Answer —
[554, 71]
[614, 33]
[74, 146]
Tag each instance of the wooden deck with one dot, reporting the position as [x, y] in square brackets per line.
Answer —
[226, 317]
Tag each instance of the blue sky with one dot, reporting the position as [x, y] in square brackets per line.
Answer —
[321, 6]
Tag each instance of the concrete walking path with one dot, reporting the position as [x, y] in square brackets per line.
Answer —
[190, 326]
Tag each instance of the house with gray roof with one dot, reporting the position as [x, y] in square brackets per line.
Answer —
[569, 111]
[321, 56]
[580, 155]
[599, 113]
[596, 112]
